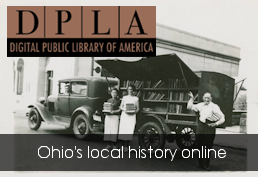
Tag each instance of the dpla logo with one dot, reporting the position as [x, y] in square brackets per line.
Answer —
[81, 31]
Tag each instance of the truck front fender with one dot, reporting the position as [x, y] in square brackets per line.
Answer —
[44, 113]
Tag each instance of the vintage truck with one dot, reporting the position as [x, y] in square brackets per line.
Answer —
[162, 83]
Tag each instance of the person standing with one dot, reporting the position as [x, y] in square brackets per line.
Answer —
[210, 117]
[112, 120]
[128, 117]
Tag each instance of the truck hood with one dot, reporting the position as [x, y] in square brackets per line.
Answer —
[52, 98]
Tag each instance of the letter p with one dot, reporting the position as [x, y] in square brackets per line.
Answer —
[59, 20]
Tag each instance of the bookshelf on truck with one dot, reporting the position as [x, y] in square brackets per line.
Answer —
[162, 84]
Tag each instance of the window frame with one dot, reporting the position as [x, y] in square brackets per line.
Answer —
[59, 88]
[79, 95]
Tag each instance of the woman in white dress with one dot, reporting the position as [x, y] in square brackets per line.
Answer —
[112, 120]
[128, 117]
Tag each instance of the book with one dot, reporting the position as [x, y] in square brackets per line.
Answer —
[107, 107]
[130, 107]
[156, 96]
[175, 108]
[171, 96]
[152, 95]
[156, 84]
[161, 85]
[162, 96]
[147, 109]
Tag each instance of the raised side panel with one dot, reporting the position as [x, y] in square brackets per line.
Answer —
[221, 88]
[151, 117]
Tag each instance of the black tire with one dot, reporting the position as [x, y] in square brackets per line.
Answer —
[151, 134]
[81, 128]
[186, 137]
[34, 119]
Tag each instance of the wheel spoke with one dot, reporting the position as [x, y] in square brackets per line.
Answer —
[192, 141]
[147, 141]
[148, 144]
[146, 138]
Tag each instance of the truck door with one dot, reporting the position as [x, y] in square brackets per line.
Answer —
[63, 105]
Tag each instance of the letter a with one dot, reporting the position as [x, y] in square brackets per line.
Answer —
[138, 22]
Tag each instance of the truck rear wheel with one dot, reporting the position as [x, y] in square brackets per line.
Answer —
[152, 135]
[186, 137]
[81, 127]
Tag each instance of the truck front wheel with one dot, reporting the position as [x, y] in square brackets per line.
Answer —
[81, 127]
[34, 119]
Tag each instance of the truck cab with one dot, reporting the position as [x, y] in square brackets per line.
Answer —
[79, 99]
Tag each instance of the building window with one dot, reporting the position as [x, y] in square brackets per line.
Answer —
[20, 75]
[49, 83]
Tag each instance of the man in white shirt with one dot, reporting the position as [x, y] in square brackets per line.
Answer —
[210, 117]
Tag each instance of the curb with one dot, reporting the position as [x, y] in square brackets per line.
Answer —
[230, 146]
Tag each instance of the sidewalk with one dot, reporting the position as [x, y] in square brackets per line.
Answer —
[228, 137]
[231, 137]
[21, 111]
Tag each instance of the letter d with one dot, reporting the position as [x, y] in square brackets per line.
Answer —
[36, 21]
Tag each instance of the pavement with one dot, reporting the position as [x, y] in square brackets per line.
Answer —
[231, 137]
[225, 137]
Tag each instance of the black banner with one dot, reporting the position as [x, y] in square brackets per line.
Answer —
[80, 47]
[63, 152]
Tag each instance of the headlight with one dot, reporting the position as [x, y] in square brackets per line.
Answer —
[42, 100]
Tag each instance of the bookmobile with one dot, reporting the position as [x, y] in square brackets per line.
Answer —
[162, 84]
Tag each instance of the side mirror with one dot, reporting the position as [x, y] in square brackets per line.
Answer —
[97, 70]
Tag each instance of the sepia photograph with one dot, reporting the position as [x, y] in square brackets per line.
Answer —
[189, 107]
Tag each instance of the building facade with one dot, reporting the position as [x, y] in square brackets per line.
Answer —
[35, 77]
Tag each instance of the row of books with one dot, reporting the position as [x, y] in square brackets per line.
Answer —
[155, 96]
[138, 93]
[136, 83]
[158, 84]
[178, 83]
[175, 108]
[179, 96]
[175, 83]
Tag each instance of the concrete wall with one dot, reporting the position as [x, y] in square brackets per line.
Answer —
[202, 62]
[198, 52]
[62, 67]
[29, 82]
[189, 39]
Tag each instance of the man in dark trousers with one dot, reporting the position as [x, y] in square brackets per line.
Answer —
[210, 117]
